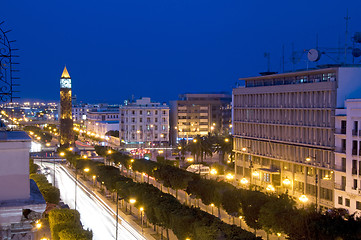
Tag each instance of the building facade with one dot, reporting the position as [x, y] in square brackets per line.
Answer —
[66, 120]
[17, 191]
[200, 114]
[284, 128]
[145, 123]
[347, 156]
[100, 120]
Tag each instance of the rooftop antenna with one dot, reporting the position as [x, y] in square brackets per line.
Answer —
[347, 18]
[268, 56]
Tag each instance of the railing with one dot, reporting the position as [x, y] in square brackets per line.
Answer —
[354, 171]
[340, 186]
[340, 130]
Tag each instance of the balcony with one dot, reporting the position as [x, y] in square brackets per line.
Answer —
[340, 186]
[354, 171]
[340, 130]
[340, 150]
[354, 132]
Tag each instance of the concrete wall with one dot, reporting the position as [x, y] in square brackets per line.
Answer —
[14, 170]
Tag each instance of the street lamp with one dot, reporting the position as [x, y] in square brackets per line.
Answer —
[86, 170]
[62, 154]
[286, 181]
[244, 181]
[85, 156]
[213, 171]
[38, 224]
[212, 205]
[230, 176]
[226, 140]
[131, 201]
[141, 216]
[316, 180]
[270, 188]
[304, 199]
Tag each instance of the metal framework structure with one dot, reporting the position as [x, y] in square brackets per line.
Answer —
[7, 67]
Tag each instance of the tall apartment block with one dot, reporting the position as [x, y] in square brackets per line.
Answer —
[200, 114]
[348, 156]
[284, 130]
[145, 123]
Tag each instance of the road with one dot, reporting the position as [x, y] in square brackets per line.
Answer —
[94, 213]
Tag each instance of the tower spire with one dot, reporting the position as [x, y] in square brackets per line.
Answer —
[65, 73]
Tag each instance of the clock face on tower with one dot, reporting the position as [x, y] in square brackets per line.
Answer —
[65, 83]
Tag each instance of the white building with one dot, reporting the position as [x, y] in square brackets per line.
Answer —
[17, 191]
[348, 156]
[144, 122]
[284, 132]
[101, 120]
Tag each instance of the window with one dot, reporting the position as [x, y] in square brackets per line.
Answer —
[148, 120]
[340, 200]
[355, 184]
[148, 112]
[155, 127]
[156, 112]
[163, 112]
[155, 119]
[344, 164]
[133, 127]
[140, 112]
[133, 120]
[133, 112]
[266, 177]
[140, 119]
[347, 202]
[358, 205]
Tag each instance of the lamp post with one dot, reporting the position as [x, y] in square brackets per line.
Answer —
[131, 201]
[141, 216]
[212, 205]
[304, 199]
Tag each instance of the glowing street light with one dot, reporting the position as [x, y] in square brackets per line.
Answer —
[85, 156]
[194, 140]
[308, 159]
[86, 170]
[141, 216]
[62, 154]
[286, 181]
[38, 224]
[244, 149]
[131, 201]
[213, 171]
[303, 198]
[244, 181]
[230, 176]
[226, 140]
[110, 151]
[70, 149]
[255, 173]
[189, 159]
[212, 205]
[270, 188]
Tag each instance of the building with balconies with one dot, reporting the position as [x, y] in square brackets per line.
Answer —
[348, 156]
[144, 123]
[284, 130]
[200, 114]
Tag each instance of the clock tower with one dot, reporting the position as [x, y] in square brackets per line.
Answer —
[65, 114]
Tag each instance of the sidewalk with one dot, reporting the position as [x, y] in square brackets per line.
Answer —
[131, 220]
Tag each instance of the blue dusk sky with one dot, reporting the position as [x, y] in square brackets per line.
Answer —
[114, 49]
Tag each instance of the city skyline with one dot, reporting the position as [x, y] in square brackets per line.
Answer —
[163, 49]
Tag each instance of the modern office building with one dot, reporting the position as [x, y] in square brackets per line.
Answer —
[145, 123]
[200, 114]
[347, 156]
[284, 126]
[65, 118]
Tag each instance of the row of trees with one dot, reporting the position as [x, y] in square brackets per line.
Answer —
[162, 209]
[50, 193]
[65, 225]
[201, 147]
[273, 213]
[38, 132]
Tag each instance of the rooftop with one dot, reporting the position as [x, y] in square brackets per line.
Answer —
[14, 136]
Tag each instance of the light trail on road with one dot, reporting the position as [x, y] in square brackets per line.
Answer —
[95, 214]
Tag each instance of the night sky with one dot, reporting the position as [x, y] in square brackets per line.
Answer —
[162, 48]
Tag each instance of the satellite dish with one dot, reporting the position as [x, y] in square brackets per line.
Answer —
[356, 52]
[313, 55]
[357, 37]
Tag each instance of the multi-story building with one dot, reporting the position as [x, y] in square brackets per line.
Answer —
[102, 119]
[284, 128]
[18, 194]
[200, 114]
[347, 156]
[144, 122]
